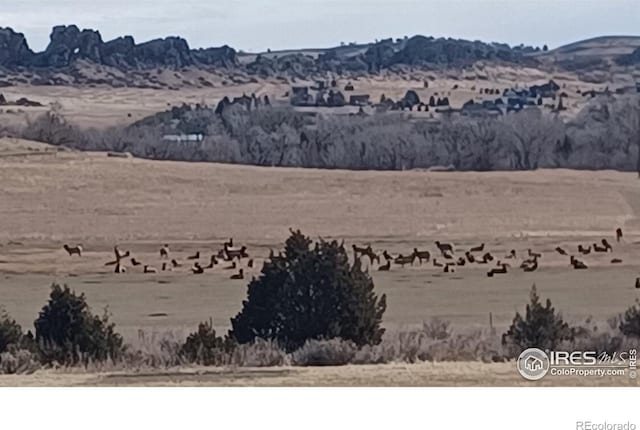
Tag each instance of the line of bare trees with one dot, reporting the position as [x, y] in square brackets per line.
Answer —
[604, 135]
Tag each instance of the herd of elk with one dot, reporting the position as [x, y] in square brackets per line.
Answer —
[227, 253]
[471, 256]
[234, 255]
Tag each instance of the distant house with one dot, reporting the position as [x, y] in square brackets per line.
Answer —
[319, 86]
[359, 100]
[335, 99]
[547, 90]
[181, 138]
[299, 96]
[486, 108]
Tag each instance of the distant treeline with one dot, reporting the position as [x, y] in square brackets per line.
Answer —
[604, 135]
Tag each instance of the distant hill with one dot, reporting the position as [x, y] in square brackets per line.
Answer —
[76, 56]
[598, 52]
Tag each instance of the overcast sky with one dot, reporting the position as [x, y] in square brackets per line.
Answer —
[260, 24]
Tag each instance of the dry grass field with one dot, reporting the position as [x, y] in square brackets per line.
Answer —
[48, 199]
[105, 106]
[386, 375]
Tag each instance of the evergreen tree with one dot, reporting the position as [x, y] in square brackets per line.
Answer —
[540, 328]
[67, 331]
[310, 292]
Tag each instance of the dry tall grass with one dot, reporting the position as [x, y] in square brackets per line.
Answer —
[161, 350]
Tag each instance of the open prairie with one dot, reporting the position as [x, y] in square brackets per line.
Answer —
[49, 199]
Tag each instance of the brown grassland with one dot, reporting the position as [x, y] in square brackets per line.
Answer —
[48, 199]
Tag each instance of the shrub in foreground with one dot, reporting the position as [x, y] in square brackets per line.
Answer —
[16, 360]
[310, 292]
[541, 327]
[205, 347]
[630, 322]
[261, 353]
[10, 331]
[67, 332]
[332, 352]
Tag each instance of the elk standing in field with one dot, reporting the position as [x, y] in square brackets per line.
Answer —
[119, 256]
[164, 252]
[637, 282]
[368, 251]
[618, 234]
[444, 247]
[401, 260]
[77, 250]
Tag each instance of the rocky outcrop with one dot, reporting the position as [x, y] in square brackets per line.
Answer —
[170, 52]
[14, 50]
[427, 51]
[71, 50]
[379, 55]
[224, 56]
[69, 43]
[119, 52]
